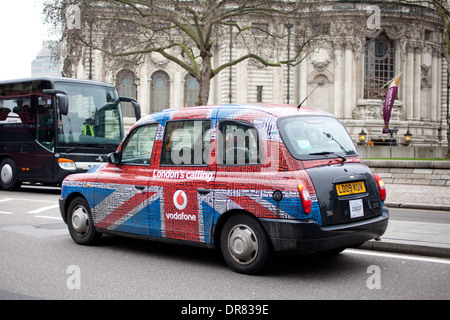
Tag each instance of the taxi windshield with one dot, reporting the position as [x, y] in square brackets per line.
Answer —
[315, 137]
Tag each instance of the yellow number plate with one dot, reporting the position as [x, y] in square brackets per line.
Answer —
[350, 188]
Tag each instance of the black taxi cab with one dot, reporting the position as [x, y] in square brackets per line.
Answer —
[250, 180]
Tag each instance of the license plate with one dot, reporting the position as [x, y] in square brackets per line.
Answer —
[350, 188]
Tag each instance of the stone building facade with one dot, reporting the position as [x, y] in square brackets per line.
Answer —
[360, 48]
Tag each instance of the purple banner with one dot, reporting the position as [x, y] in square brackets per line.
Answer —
[389, 102]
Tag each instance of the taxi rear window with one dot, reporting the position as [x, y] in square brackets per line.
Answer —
[310, 138]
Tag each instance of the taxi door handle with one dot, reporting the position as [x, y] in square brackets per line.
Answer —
[140, 187]
[204, 191]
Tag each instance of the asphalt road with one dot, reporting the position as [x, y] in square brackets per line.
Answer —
[38, 259]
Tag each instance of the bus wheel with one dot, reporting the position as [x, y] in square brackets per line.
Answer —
[245, 245]
[79, 220]
[8, 175]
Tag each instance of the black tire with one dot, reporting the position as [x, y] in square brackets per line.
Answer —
[8, 175]
[245, 245]
[80, 223]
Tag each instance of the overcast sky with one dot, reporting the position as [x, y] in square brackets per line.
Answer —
[22, 34]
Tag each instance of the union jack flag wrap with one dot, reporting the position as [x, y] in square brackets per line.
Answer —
[389, 102]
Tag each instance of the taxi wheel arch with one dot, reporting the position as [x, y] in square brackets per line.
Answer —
[80, 222]
[244, 243]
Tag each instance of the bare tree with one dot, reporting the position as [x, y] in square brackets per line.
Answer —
[187, 32]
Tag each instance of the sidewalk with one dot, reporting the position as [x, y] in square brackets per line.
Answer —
[421, 238]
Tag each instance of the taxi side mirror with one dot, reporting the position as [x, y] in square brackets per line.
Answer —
[113, 158]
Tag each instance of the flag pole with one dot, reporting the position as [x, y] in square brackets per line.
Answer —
[391, 80]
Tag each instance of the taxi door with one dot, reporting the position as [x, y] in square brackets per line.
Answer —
[126, 201]
[187, 176]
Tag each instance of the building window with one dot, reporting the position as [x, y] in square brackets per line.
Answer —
[160, 89]
[259, 28]
[379, 66]
[126, 88]
[259, 92]
[428, 35]
[191, 88]
[127, 26]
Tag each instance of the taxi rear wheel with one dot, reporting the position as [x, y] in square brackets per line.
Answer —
[79, 220]
[245, 245]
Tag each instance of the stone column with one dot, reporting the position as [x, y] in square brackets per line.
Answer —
[434, 88]
[242, 82]
[303, 83]
[409, 80]
[277, 85]
[417, 78]
[177, 91]
[348, 82]
[338, 83]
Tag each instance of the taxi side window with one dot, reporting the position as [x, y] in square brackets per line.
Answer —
[238, 143]
[139, 146]
[186, 142]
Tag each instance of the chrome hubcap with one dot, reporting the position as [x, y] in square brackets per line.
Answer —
[242, 244]
[80, 221]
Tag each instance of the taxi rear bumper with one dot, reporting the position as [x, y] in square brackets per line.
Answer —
[306, 236]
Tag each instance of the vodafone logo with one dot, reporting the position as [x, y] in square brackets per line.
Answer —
[180, 199]
[180, 202]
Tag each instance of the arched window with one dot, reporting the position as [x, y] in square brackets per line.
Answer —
[191, 88]
[126, 88]
[379, 66]
[160, 89]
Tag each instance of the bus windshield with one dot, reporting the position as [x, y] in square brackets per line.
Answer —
[94, 117]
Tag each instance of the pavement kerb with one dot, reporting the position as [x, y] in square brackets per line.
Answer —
[420, 206]
[396, 246]
[409, 246]
[387, 163]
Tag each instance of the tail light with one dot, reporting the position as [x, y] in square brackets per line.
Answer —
[305, 198]
[381, 187]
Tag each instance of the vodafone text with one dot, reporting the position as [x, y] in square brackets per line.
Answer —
[181, 216]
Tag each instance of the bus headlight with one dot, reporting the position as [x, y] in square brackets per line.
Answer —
[67, 164]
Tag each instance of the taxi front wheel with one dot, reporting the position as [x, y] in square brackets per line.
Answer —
[79, 220]
[245, 245]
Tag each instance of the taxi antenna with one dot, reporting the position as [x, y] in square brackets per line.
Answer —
[318, 85]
